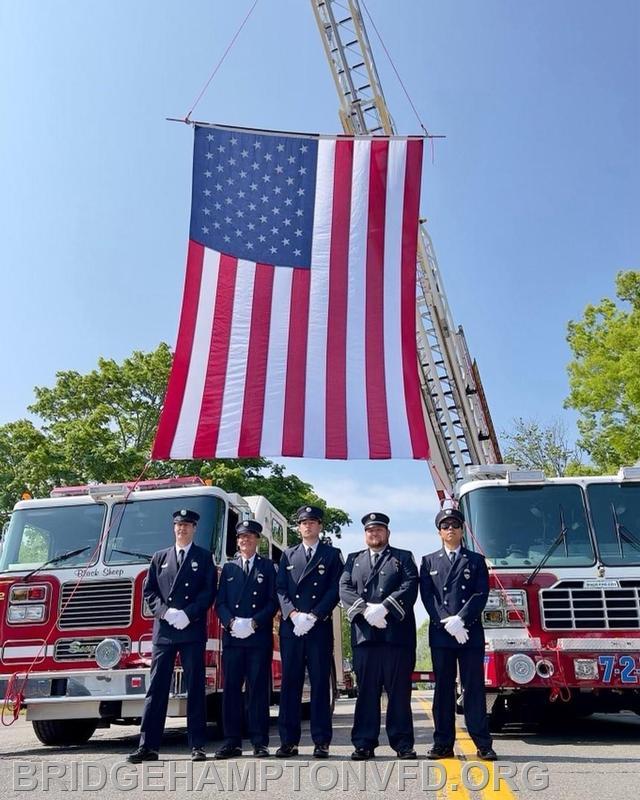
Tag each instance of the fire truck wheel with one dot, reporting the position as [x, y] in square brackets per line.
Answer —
[64, 732]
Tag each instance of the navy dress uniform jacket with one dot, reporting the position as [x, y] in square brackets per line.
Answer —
[191, 589]
[392, 582]
[311, 588]
[447, 589]
[252, 596]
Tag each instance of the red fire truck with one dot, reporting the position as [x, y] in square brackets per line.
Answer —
[72, 614]
[563, 618]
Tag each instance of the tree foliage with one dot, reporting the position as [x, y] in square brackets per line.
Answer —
[604, 376]
[99, 427]
[533, 445]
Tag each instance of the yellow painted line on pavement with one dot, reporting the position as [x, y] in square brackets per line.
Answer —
[496, 788]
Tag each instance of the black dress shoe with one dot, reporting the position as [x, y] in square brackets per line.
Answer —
[142, 754]
[321, 751]
[362, 754]
[440, 752]
[260, 751]
[407, 755]
[228, 751]
[198, 754]
[286, 750]
[487, 754]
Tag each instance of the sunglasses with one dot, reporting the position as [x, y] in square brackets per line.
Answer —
[446, 525]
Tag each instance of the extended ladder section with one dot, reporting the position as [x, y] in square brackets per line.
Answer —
[460, 428]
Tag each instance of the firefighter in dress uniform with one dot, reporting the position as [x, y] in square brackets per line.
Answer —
[378, 590]
[454, 586]
[246, 605]
[180, 587]
[308, 576]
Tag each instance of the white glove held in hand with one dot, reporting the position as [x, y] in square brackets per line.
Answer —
[375, 614]
[453, 624]
[242, 628]
[303, 623]
[177, 618]
[462, 637]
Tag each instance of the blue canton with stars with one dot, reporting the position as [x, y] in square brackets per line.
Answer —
[253, 195]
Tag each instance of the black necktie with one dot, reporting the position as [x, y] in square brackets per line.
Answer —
[246, 567]
[374, 559]
[452, 557]
[180, 558]
[309, 554]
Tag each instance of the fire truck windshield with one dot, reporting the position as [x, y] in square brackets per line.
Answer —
[141, 527]
[516, 526]
[40, 535]
[615, 510]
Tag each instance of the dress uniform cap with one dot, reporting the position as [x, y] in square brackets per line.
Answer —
[309, 512]
[184, 515]
[375, 518]
[249, 526]
[449, 513]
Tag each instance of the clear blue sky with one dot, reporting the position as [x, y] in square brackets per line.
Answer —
[533, 201]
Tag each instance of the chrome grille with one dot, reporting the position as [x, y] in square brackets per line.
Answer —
[570, 606]
[96, 604]
[82, 648]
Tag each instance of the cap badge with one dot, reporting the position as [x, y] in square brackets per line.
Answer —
[183, 512]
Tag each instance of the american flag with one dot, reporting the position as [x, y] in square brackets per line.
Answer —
[298, 328]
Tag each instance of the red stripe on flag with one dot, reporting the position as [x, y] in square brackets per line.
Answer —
[293, 424]
[256, 376]
[411, 208]
[182, 358]
[379, 443]
[336, 377]
[206, 440]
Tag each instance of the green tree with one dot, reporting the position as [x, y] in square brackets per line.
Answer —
[423, 652]
[99, 427]
[532, 445]
[604, 377]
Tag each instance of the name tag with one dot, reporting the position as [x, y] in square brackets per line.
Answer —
[164, 566]
[290, 566]
[433, 572]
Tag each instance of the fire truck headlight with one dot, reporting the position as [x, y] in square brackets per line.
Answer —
[108, 653]
[521, 668]
[32, 613]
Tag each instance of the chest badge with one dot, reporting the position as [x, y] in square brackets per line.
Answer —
[467, 574]
[321, 569]
[194, 565]
[259, 578]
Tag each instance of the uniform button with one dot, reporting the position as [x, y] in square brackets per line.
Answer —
[255, 592]
[186, 597]
[297, 596]
[315, 583]
[237, 605]
[463, 587]
[253, 605]
[186, 583]
[171, 598]
[313, 597]
[446, 604]
[445, 588]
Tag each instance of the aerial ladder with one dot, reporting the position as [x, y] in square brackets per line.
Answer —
[459, 426]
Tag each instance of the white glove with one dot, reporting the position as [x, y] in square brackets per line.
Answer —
[180, 620]
[462, 637]
[242, 628]
[453, 624]
[170, 615]
[375, 614]
[303, 623]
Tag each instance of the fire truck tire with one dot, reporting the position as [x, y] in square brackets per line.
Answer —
[498, 716]
[64, 732]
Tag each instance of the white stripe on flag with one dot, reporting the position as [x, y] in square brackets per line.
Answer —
[272, 425]
[233, 398]
[183, 441]
[399, 437]
[316, 378]
[357, 428]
